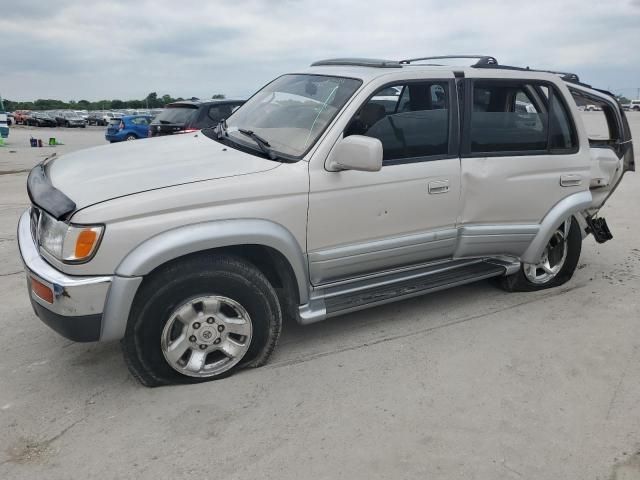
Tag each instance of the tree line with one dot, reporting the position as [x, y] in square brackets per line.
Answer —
[150, 101]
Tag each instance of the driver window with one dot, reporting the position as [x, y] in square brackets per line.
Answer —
[411, 120]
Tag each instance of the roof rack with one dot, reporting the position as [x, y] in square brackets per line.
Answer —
[566, 76]
[359, 62]
[482, 59]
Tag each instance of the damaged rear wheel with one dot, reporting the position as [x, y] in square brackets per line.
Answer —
[557, 264]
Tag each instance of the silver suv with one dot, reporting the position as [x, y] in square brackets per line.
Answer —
[343, 186]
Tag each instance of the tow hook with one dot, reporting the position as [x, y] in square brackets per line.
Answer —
[599, 229]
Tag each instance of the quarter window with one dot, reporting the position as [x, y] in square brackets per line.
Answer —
[410, 120]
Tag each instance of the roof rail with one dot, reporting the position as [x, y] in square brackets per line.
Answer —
[566, 76]
[359, 62]
[482, 59]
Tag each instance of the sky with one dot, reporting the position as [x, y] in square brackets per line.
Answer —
[125, 49]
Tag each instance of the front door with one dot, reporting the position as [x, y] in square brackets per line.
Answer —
[404, 214]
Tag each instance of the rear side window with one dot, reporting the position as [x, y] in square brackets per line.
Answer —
[411, 120]
[218, 112]
[179, 114]
[506, 118]
[519, 118]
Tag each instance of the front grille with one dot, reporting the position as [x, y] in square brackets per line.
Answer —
[35, 219]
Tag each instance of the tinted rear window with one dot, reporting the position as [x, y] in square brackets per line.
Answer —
[179, 115]
[114, 121]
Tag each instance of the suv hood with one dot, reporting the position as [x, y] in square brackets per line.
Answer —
[102, 173]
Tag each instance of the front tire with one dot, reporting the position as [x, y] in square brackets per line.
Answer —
[200, 319]
[559, 261]
[130, 137]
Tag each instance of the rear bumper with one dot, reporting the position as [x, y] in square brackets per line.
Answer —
[114, 137]
[77, 304]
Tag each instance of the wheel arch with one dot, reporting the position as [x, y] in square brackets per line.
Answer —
[269, 246]
[565, 208]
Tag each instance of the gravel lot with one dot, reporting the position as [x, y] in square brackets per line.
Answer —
[471, 383]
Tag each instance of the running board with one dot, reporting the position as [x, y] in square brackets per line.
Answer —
[332, 301]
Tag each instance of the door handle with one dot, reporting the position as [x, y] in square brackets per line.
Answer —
[439, 186]
[570, 180]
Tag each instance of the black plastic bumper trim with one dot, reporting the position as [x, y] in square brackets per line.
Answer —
[85, 328]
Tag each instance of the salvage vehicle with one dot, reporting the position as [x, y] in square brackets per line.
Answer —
[188, 116]
[313, 200]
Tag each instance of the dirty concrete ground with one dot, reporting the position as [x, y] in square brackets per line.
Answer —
[471, 383]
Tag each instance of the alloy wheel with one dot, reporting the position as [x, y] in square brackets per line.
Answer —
[553, 258]
[206, 336]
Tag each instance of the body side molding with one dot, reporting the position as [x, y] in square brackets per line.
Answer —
[562, 210]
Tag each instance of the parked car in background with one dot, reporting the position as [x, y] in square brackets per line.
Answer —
[18, 116]
[4, 125]
[129, 127]
[21, 116]
[41, 119]
[69, 118]
[191, 115]
[592, 108]
[633, 106]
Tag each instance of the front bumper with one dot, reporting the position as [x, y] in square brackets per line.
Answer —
[77, 302]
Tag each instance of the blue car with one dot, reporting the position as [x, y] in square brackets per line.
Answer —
[129, 127]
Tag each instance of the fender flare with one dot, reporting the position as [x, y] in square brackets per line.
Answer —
[562, 210]
[180, 241]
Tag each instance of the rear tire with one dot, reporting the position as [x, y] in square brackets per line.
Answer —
[158, 325]
[550, 273]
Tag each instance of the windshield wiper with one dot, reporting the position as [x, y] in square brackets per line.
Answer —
[261, 142]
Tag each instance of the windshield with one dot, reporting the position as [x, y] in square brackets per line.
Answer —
[292, 111]
[180, 114]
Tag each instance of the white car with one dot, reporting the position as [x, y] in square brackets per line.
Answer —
[313, 200]
[633, 105]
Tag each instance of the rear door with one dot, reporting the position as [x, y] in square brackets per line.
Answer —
[141, 126]
[520, 156]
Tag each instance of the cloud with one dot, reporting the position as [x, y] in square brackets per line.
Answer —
[76, 49]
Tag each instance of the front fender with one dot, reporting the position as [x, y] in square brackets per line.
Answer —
[187, 239]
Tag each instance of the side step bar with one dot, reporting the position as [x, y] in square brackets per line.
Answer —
[337, 300]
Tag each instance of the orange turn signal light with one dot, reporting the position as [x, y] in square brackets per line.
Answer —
[41, 290]
[85, 242]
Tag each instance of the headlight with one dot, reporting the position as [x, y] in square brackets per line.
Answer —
[69, 243]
